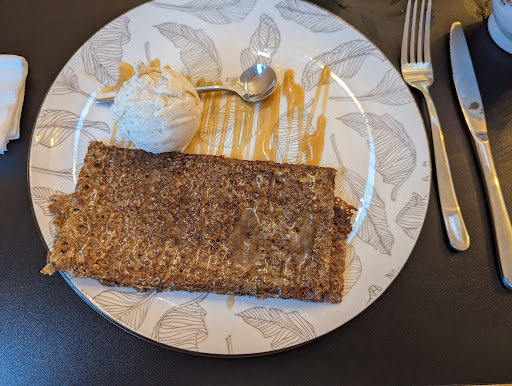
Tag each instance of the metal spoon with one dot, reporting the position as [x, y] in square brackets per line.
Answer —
[255, 83]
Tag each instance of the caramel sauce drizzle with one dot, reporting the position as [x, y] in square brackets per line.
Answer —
[222, 141]
[114, 133]
[268, 128]
[294, 94]
[263, 119]
[313, 144]
[246, 118]
[214, 119]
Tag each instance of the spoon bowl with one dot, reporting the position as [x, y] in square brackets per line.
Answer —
[255, 84]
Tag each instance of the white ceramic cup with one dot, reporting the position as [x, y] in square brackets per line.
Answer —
[500, 24]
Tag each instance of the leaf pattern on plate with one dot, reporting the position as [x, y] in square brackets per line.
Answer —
[129, 308]
[229, 344]
[389, 91]
[216, 341]
[353, 189]
[373, 292]
[183, 326]
[374, 229]
[345, 61]
[198, 51]
[391, 274]
[41, 197]
[263, 45]
[394, 151]
[103, 52]
[53, 233]
[53, 229]
[54, 126]
[426, 178]
[287, 328]
[67, 83]
[353, 269]
[411, 215]
[64, 173]
[291, 140]
[310, 16]
[214, 11]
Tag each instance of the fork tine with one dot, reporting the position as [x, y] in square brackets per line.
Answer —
[419, 54]
[427, 32]
[413, 31]
[405, 37]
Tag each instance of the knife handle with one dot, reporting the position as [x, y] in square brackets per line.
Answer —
[453, 222]
[500, 219]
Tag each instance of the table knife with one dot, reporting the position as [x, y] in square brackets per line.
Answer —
[471, 103]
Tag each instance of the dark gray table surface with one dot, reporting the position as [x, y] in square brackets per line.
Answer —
[446, 318]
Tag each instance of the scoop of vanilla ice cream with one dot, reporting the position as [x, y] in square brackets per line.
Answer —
[157, 109]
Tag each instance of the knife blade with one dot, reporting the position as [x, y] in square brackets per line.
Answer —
[472, 107]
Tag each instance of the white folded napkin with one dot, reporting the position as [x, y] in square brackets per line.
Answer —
[13, 74]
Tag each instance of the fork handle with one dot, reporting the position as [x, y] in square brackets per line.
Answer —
[453, 222]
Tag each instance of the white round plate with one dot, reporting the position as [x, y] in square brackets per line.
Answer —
[381, 154]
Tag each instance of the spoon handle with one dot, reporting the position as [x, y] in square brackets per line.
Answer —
[214, 88]
[108, 101]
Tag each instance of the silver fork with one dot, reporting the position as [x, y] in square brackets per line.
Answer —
[417, 72]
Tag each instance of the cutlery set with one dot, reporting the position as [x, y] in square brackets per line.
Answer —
[417, 71]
